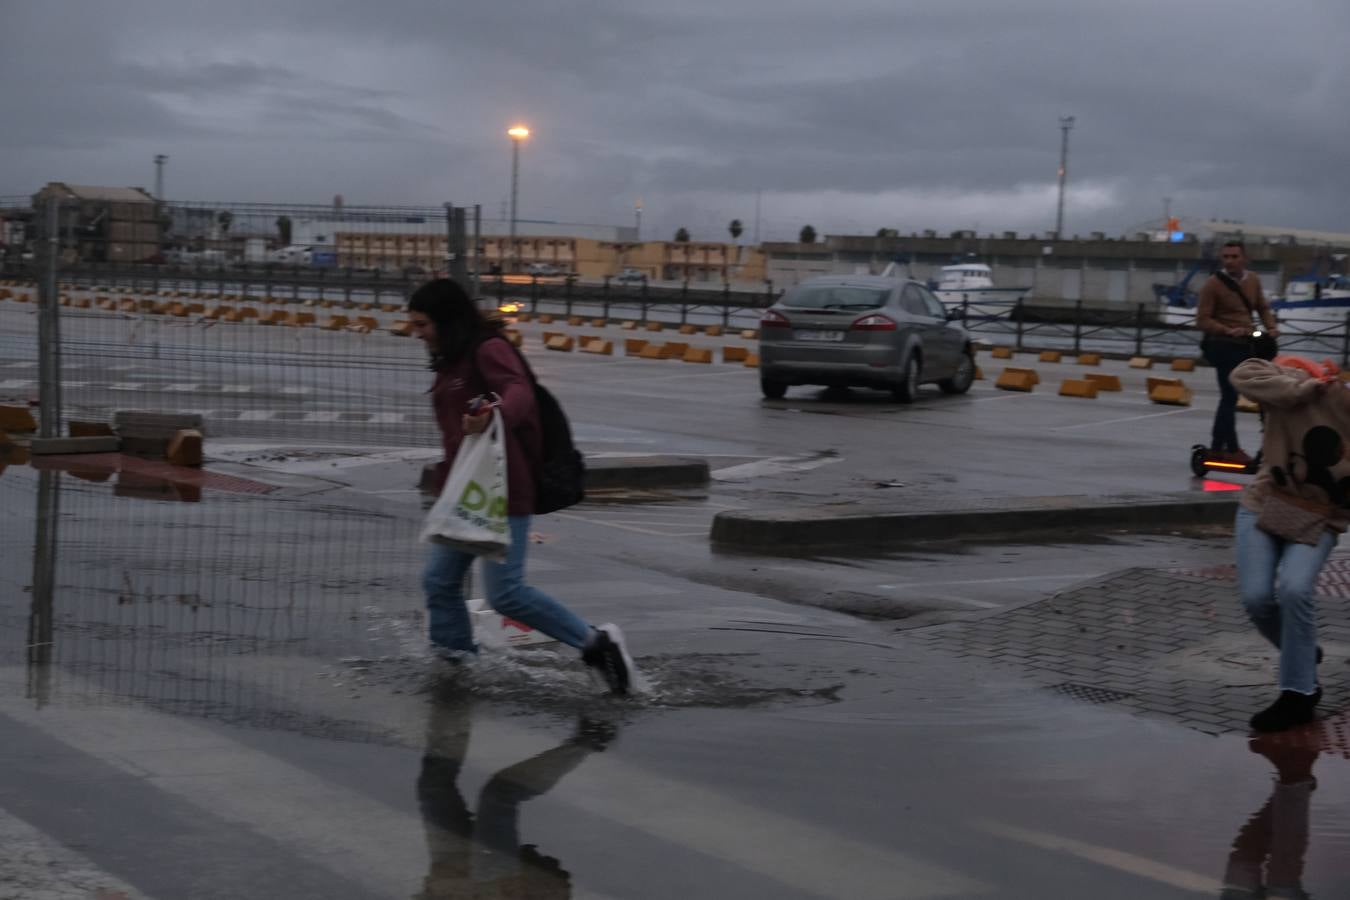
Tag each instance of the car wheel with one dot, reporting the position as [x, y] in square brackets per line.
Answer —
[964, 377]
[908, 387]
[772, 390]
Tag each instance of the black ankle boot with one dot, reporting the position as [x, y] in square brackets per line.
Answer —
[1291, 709]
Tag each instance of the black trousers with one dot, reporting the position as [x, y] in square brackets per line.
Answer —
[1225, 356]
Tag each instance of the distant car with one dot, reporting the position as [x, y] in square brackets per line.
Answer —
[865, 331]
[630, 276]
[543, 269]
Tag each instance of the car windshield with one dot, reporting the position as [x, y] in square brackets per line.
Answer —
[836, 296]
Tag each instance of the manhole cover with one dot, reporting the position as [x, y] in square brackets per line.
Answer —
[1089, 694]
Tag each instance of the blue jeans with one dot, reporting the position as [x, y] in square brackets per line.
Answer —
[507, 592]
[1275, 580]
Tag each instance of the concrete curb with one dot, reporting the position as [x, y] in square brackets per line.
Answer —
[645, 472]
[847, 526]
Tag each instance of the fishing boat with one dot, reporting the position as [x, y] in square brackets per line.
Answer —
[1314, 301]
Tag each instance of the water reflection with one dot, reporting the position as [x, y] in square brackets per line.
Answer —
[1268, 853]
[479, 854]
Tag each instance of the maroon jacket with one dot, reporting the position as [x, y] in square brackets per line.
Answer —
[494, 368]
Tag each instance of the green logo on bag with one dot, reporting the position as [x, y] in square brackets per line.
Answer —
[474, 497]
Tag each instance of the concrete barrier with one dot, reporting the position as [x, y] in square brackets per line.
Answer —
[1001, 352]
[1078, 387]
[1141, 362]
[545, 319]
[686, 328]
[751, 361]
[750, 334]
[1016, 380]
[655, 326]
[675, 349]
[713, 331]
[524, 316]
[698, 355]
[335, 323]
[599, 323]
[633, 346]
[1050, 356]
[1183, 365]
[185, 448]
[629, 326]
[1089, 359]
[652, 351]
[734, 354]
[1104, 381]
[1169, 392]
[575, 321]
[1247, 405]
[400, 329]
[17, 420]
[598, 345]
[561, 342]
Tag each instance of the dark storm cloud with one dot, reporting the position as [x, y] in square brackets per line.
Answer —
[854, 114]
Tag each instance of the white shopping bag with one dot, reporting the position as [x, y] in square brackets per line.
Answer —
[471, 512]
[492, 629]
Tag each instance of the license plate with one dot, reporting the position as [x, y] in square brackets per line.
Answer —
[818, 335]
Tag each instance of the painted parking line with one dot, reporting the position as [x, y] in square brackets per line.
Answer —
[297, 389]
[14, 384]
[257, 415]
[324, 416]
[181, 387]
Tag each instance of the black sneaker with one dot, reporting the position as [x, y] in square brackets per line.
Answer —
[1290, 710]
[606, 654]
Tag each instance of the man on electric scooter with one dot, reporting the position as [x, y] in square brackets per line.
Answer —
[1228, 301]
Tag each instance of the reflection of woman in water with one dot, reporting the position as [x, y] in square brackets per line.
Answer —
[480, 856]
[1276, 836]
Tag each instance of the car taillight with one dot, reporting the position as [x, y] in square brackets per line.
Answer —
[873, 323]
[772, 318]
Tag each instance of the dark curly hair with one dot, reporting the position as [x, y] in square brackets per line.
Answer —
[460, 325]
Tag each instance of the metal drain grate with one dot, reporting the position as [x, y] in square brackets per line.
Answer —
[1089, 694]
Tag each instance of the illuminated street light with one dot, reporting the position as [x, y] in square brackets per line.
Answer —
[517, 133]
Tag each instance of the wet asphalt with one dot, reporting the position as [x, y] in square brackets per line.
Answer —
[228, 695]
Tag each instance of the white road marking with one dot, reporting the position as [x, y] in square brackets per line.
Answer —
[181, 387]
[14, 384]
[1171, 412]
[297, 389]
[126, 386]
[773, 466]
[236, 389]
[324, 416]
[1119, 860]
[256, 415]
[386, 418]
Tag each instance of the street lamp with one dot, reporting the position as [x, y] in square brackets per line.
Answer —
[517, 133]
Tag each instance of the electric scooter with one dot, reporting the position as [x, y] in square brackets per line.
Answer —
[1203, 462]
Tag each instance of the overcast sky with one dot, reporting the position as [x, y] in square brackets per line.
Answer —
[850, 115]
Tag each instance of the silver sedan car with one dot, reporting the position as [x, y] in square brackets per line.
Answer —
[863, 330]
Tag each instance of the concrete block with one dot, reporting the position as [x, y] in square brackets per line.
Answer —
[89, 429]
[357, 329]
[686, 328]
[233, 315]
[17, 420]
[1030, 373]
[652, 351]
[185, 448]
[598, 345]
[335, 323]
[275, 317]
[1050, 356]
[1078, 387]
[369, 321]
[599, 323]
[300, 319]
[675, 349]
[524, 316]
[1103, 381]
[196, 309]
[734, 354]
[550, 335]
[1247, 404]
[561, 342]
[576, 321]
[1172, 395]
[400, 329]
[248, 312]
[979, 374]
[633, 346]
[545, 319]
[655, 326]
[83, 303]
[750, 334]
[698, 355]
[713, 330]
[391, 307]
[751, 361]
[135, 423]
[106, 443]
[629, 326]
[1016, 380]
[1183, 365]
[1141, 362]
[1001, 352]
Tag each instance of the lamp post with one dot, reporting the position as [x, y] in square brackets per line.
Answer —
[1065, 124]
[517, 133]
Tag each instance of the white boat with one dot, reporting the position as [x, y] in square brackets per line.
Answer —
[1310, 302]
[971, 283]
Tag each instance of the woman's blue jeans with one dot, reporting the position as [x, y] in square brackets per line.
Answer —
[1276, 580]
[507, 592]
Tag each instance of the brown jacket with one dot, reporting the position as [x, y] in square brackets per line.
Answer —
[1307, 437]
[1220, 309]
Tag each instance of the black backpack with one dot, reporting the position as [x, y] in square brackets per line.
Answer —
[560, 477]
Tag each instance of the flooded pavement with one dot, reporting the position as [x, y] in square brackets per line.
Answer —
[231, 697]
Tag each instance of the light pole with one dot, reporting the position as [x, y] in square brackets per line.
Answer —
[517, 133]
[160, 160]
[637, 214]
[1065, 123]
